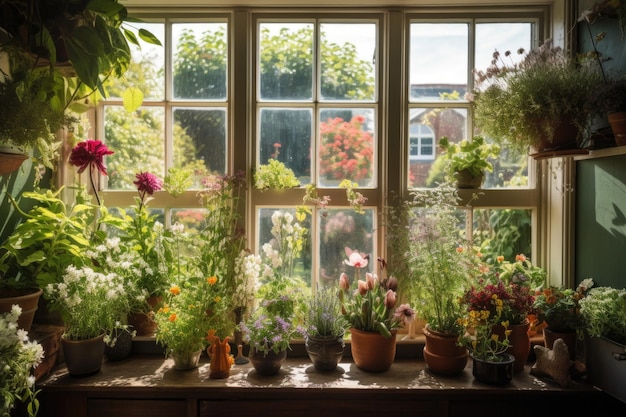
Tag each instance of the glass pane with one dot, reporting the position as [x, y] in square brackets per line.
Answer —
[286, 61]
[503, 232]
[200, 141]
[137, 142]
[348, 59]
[341, 229]
[191, 218]
[438, 61]
[347, 147]
[286, 135]
[200, 60]
[293, 233]
[511, 169]
[426, 127]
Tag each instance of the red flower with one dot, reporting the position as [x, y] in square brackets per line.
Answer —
[147, 183]
[89, 152]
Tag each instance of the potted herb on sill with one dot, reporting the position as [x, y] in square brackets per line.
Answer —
[440, 266]
[468, 160]
[538, 103]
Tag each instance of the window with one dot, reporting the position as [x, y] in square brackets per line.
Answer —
[318, 92]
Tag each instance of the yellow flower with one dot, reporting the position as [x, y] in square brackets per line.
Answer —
[218, 299]
[175, 290]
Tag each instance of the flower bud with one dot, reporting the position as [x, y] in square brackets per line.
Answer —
[344, 282]
[390, 299]
[363, 288]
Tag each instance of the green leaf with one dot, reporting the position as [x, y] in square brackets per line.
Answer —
[133, 97]
[148, 37]
[37, 256]
[130, 36]
[109, 8]
[84, 47]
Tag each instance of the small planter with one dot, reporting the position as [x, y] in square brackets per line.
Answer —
[371, 351]
[83, 357]
[442, 354]
[617, 120]
[519, 343]
[493, 373]
[606, 366]
[466, 180]
[549, 337]
[269, 364]
[186, 361]
[28, 300]
[123, 345]
[325, 352]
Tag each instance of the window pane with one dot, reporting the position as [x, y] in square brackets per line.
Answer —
[503, 232]
[191, 218]
[511, 169]
[286, 61]
[426, 127]
[146, 68]
[137, 142]
[200, 60]
[286, 135]
[347, 147]
[283, 238]
[438, 61]
[348, 66]
[341, 228]
[200, 141]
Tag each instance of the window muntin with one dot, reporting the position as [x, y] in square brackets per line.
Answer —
[307, 134]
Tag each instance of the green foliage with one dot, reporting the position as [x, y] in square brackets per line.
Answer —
[471, 155]
[604, 313]
[324, 318]
[275, 176]
[559, 307]
[505, 232]
[519, 104]
[441, 261]
[52, 237]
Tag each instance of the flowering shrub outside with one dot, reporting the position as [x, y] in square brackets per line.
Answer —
[368, 304]
[346, 150]
[275, 175]
[18, 357]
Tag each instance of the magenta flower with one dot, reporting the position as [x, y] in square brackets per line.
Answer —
[89, 153]
[147, 183]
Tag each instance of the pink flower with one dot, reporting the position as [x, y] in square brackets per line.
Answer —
[147, 183]
[344, 282]
[371, 281]
[405, 313]
[390, 299]
[89, 152]
[356, 260]
[363, 287]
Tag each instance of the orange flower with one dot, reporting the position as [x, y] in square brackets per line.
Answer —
[175, 290]
[521, 257]
[211, 280]
[459, 249]
[500, 259]
[172, 317]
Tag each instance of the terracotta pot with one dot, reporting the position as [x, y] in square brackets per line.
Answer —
[83, 357]
[269, 364]
[10, 162]
[617, 120]
[442, 354]
[569, 338]
[27, 299]
[494, 373]
[186, 361]
[519, 343]
[325, 352]
[371, 351]
[144, 323]
[565, 136]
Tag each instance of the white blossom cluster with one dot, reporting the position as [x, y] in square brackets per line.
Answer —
[280, 254]
[247, 270]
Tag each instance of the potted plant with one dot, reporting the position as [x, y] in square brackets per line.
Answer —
[538, 102]
[604, 316]
[274, 175]
[325, 329]
[610, 99]
[559, 308]
[441, 264]
[490, 361]
[369, 306]
[89, 301]
[193, 306]
[467, 161]
[18, 356]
